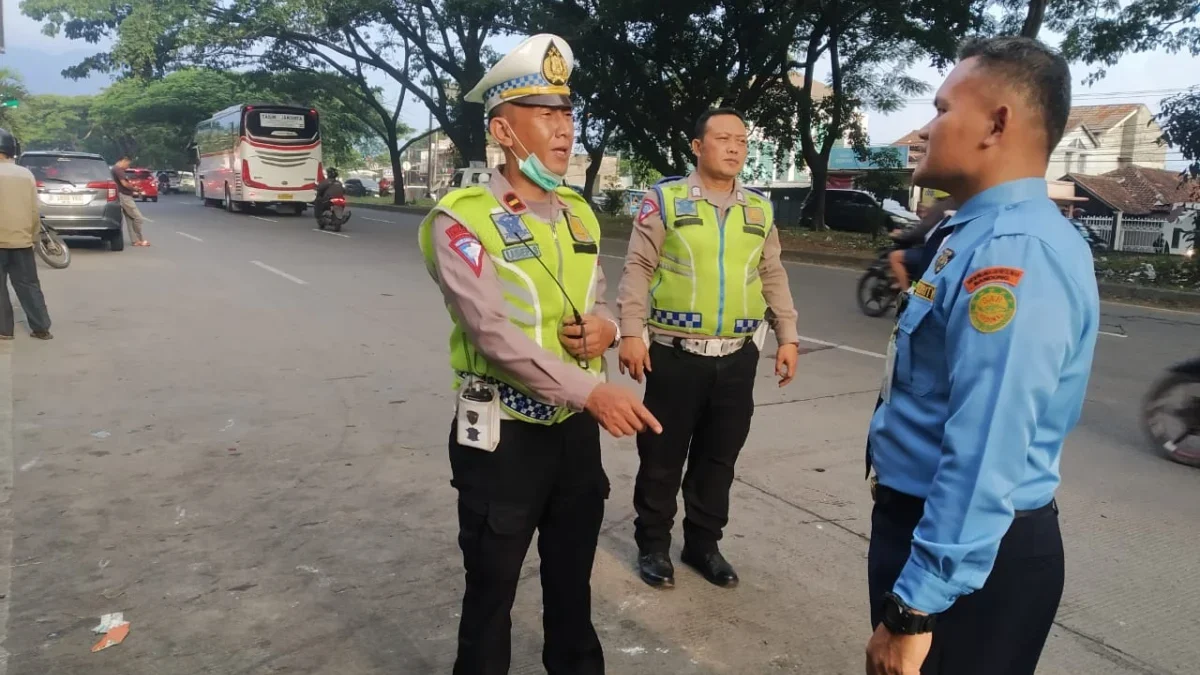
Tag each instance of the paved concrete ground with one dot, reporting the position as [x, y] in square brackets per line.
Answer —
[238, 440]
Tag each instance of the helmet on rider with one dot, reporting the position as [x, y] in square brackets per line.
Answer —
[8, 145]
[333, 174]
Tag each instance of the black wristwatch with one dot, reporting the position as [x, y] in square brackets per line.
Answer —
[900, 619]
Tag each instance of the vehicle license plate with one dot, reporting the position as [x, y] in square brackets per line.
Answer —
[66, 200]
[285, 196]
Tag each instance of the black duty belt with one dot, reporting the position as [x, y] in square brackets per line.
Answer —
[889, 498]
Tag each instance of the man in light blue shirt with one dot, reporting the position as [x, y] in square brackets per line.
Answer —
[987, 370]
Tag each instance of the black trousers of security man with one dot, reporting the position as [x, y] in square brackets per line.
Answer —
[20, 265]
[999, 629]
[543, 478]
[705, 404]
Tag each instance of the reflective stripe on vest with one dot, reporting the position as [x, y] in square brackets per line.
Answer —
[707, 279]
[533, 301]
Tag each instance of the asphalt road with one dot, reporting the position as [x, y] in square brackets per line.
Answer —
[237, 439]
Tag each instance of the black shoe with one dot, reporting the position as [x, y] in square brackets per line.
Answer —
[712, 566]
[656, 570]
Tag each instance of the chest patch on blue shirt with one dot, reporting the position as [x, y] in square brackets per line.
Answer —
[943, 259]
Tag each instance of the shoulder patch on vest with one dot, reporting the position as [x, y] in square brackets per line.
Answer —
[579, 231]
[649, 208]
[755, 215]
[467, 246]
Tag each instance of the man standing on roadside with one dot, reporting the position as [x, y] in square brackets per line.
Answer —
[705, 250]
[517, 263]
[19, 224]
[133, 216]
[986, 374]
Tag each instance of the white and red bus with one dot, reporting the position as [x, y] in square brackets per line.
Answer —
[259, 155]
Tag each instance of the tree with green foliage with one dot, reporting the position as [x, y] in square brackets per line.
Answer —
[885, 177]
[12, 88]
[1180, 121]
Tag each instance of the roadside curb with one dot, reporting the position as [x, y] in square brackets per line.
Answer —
[1156, 297]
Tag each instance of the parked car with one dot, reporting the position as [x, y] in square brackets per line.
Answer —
[187, 181]
[361, 187]
[145, 184]
[859, 211]
[77, 196]
[475, 175]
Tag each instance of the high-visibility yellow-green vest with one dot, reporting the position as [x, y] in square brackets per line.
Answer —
[514, 240]
[707, 278]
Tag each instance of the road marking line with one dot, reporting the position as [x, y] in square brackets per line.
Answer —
[336, 234]
[185, 234]
[6, 483]
[376, 220]
[846, 348]
[267, 220]
[1104, 332]
[281, 273]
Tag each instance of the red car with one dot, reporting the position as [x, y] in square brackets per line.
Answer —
[145, 184]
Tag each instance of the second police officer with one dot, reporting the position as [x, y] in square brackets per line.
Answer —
[705, 250]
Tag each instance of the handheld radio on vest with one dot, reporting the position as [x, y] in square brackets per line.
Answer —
[574, 310]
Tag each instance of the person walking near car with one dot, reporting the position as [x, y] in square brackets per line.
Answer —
[706, 252]
[517, 264]
[19, 225]
[909, 243]
[986, 373]
[129, 208]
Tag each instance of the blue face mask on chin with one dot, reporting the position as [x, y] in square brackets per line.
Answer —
[534, 169]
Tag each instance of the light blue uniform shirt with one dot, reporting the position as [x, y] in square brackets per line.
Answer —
[992, 356]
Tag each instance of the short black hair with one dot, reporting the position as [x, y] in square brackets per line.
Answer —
[1032, 68]
[702, 123]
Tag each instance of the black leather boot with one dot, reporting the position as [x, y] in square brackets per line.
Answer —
[712, 566]
[656, 569]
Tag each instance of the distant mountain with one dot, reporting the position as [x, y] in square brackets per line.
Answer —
[42, 72]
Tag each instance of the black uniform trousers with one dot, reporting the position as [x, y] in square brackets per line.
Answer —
[20, 265]
[704, 404]
[544, 478]
[999, 629]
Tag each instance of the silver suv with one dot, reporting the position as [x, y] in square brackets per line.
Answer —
[77, 196]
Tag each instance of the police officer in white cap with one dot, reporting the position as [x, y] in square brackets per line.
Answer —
[517, 265]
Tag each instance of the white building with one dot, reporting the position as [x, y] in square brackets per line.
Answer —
[1104, 138]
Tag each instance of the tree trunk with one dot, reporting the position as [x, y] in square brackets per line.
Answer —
[1034, 18]
[468, 134]
[397, 172]
[820, 174]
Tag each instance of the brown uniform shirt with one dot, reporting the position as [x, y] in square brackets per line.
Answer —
[477, 301]
[645, 248]
[19, 221]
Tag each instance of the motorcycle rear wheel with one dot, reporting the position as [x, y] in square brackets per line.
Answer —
[51, 249]
[875, 295]
[1174, 428]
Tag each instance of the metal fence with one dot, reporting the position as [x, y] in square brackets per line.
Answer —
[1136, 235]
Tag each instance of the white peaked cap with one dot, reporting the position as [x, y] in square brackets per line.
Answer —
[534, 73]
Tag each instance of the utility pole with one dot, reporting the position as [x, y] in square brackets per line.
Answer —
[430, 127]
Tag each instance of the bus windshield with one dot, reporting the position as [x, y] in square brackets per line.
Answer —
[282, 125]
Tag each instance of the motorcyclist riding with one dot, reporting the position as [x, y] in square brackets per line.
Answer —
[328, 189]
[910, 242]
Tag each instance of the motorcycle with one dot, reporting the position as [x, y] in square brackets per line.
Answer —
[1171, 413]
[334, 215]
[50, 248]
[877, 292]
